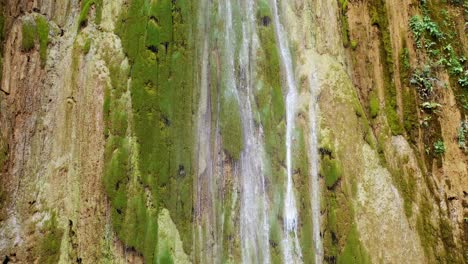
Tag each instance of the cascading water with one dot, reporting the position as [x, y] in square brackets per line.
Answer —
[238, 49]
[291, 247]
[314, 167]
[254, 229]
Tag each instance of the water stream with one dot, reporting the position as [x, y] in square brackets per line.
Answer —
[237, 29]
[291, 248]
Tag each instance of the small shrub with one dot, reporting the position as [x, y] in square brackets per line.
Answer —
[423, 81]
[439, 147]
[462, 133]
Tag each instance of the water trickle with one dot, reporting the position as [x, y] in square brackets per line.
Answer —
[291, 247]
[314, 167]
[254, 228]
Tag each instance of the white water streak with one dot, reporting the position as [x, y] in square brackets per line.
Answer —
[314, 167]
[254, 207]
[291, 247]
[254, 228]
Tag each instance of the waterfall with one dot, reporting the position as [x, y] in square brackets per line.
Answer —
[291, 247]
[238, 48]
[314, 167]
[254, 227]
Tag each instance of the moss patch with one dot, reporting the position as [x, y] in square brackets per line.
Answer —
[149, 163]
[331, 170]
[49, 245]
[43, 36]
[29, 36]
[353, 251]
[374, 104]
[84, 13]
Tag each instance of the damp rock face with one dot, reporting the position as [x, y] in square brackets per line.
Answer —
[252, 131]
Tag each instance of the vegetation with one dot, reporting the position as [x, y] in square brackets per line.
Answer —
[85, 8]
[231, 126]
[462, 134]
[49, 247]
[148, 163]
[424, 81]
[343, 5]
[374, 104]
[439, 147]
[353, 251]
[379, 18]
[29, 36]
[32, 31]
[43, 35]
[331, 170]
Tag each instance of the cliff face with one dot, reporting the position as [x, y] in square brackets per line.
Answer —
[233, 131]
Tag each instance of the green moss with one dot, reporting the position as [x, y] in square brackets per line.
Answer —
[379, 17]
[447, 236]
[165, 257]
[354, 44]
[374, 104]
[353, 251]
[406, 187]
[343, 4]
[43, 34]
[268, 94]
[84, 13]
[339, 218]
[331, 170]
[29, 36]
[231, 126]
[87, 46]
[49, 246]
[154, 169]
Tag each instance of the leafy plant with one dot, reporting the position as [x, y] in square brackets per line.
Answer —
[439, 147]
[423, 81]
[463, 81]
[462, 133]
[430, 105]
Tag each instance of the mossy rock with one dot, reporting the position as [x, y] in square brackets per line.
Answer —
[49, 247]
[331, 170]
[29, 36]
[42, 26]
[353, 251]
[374, 104]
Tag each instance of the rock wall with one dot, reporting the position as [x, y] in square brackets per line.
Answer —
[99, 101]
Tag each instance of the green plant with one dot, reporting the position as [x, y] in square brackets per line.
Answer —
[439, 147]
[51, 241]
[430, 105]
[424, 82]
[462, 133]
[422, 27]
[331, 170]
[86, 6]
[374, 104]
[87, 46]
[463, 80]
[43, 34]
[29, 36]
